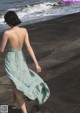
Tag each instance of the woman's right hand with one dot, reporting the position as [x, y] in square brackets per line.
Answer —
[38, 68]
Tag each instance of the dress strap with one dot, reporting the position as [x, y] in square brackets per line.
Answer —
[18, 40]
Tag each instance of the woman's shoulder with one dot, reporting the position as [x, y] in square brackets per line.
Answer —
[25, 29]
[6, 32]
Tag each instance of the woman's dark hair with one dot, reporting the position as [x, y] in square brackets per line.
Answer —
[11, 18]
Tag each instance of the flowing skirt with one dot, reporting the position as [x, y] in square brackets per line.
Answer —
[25, 79]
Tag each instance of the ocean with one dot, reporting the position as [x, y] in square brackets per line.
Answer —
[32, 11]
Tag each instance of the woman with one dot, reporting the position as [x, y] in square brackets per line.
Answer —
[25, 81]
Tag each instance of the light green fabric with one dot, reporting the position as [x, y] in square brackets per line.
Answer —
[25, 80]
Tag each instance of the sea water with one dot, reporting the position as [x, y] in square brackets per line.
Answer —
[31, 11]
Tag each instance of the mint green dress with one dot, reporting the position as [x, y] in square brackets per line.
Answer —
[25, 79]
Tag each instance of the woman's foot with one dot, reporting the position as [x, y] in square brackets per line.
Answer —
[14, 106]
[34, 106]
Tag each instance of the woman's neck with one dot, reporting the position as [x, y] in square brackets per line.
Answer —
[15, 27]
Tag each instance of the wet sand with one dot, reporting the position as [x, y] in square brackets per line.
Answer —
[56, 44]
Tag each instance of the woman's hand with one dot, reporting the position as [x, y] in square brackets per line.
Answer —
[38, 68]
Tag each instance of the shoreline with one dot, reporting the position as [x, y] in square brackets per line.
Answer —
[37, 21]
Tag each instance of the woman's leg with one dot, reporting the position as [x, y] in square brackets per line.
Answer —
[14, 99]
[20, 99]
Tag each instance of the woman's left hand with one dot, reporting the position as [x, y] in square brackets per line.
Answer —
[38, 68]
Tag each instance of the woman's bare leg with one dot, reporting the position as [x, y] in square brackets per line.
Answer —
[14, 98]
[21, 100]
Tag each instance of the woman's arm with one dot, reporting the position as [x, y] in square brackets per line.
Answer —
[4, 42]
[30, 50]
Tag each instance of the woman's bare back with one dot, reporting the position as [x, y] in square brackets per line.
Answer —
[16, 37]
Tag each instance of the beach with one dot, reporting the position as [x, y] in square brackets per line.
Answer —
[56, 44]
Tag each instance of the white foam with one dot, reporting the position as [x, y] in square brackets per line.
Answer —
[13, 9]
[43, 10]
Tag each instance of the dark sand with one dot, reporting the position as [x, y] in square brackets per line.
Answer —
[56, 44]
